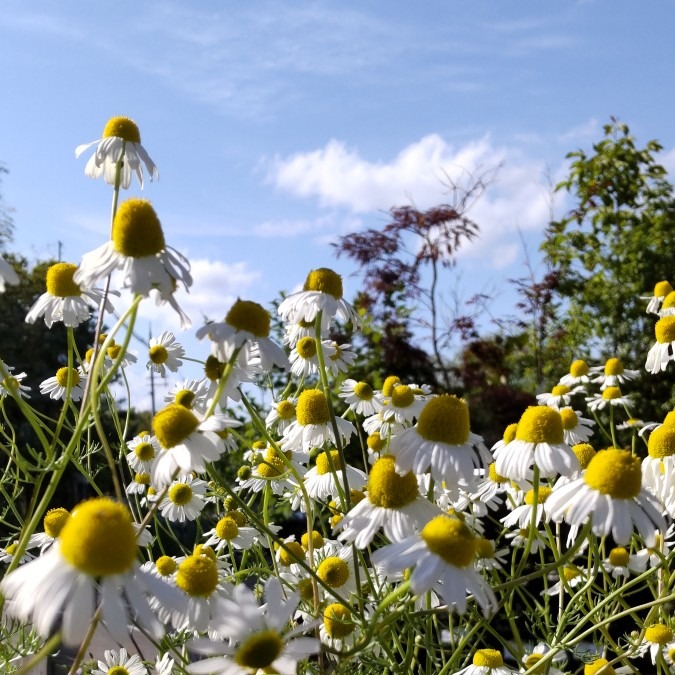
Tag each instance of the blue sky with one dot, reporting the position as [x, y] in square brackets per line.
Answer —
[277, 127]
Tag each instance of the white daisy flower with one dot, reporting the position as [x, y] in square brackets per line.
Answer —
[304, 359]
[613, 373]
[488, 557]
[663, 350]
[121, 141]
[165, 353]
[139, 484]
[404, 404]
[338, 628]
[184, 500]
[442, 555]
[53, 523]
[609, 396]
[571, 577]
[65, 300]
[658, 639]
[486, 662]
[11, 384]
[93, 562]
[8, 553]
[138, 249]
[321, 481]
[537, 654]
[360, 397]
[576, 429]
[232, 529]
[610, 492]
[272, 471]
[519, 539]
[620, 563]
[313, 427]
[522, 515]
[340, 360]
[192, 394]
[143, 448]
[559, 397]
[539, 441]
[245, 329]
[120, 663]
[187, 442]
[57, 386]
[322, 293]
[578, 374]
[382, 423]
[392, 503]
[668, 305]
[658, 467]
[441, 442]
[295, 332]
[8, 274]
[257, 639]
[164, 665]
[661, 290]
[281, 415]
[334, 564]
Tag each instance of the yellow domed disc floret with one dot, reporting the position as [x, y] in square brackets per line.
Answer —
[450, 539]
[494, 476]
[291, 553]
[665, 329]
[213, 368]
[569, 418]
[599, 666]
[144, 451]
[584, 452]
[60, 282]
[579, 368]
[249, 316]
[388, 489]
[173, 424]
[325, 281]
[560, 390]
[444, 419]
[136, 231]
[312, 408]
[376, 442]
[389, 384]
[54, 521]
[124, 128]
[531, 660]
[658, 633]
[540, 424]
[185, 397]
[662, 442]
[166, 565]
[197, 576]
[260, 650]
[613, 366]
[488, 658]
[317, 540]
[180, 494]
[662, 288]
[402, 396]
[616, 473]
[158, 354]
[286, 410]
[324, 462]
[611, 393]
[67, 376]
[227, 528]
[619, 557]
[337, 620]
[333, 571]
[99, 538]
[306, 347]
[543, 493]
[363, 391]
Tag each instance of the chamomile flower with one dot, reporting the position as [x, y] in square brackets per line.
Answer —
[143, 449]
[120, 663]
[187, 442]
[191, 394]
[442, 555]
[313, 427]
[258, 639]
[272, 471]
[613, 373]
[139, 484]
[392, 503]
[658, 639]
[322, 480]
[340, 360]
[73, 379]
[138, 249]
[53, 523]
[576, 429]
[120, 147]
[661, 290]
[520, 538]
[658, 467]
[486, 662]
[184, 500]
[11, 385]
[620, 563]
[442, 442]
[609, 396]
[539, 441]
[404, 404]
[559, 397]
[281, 414]
[488, 557]
[610, 493]
[663, 349]
[570, 578]
[304, 358]
[322, 293]
[8, 553]
[164, 665]
[338, 628]
[8, 275]
[165, 354]
[246, 330]
[335, 567]
[64, 300]
[578, 374]
[522, 515]
[360, 397]
[93, 562]
[232, 529]
[668, 305]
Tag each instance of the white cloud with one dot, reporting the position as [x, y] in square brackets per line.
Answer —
[588, 129]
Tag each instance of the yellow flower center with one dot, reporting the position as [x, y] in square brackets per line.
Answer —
[312, 408]
[286, 410]
[616, 473]
[66, 376]
[185, 397]
[363, 391]
[306, 589]
[669, 419]
[114, 351]
[142, 478]
[197, 576]
[166, 565]
[532, 660]
[333, 571]
[662, 442]
[260, 650]
[99, 539]
[599, 666]
[60, 282]
[173, 424]
[613, 366]
[324, 461]
[202, 550]
[579, 368]
[317, 540]
[510, 432]
[618, 557]
[144, 451]
[389, 384]
[669, 300]
[569, 418]
[560, 390]
[488, 658]
[611, 393]
[584, 453]
[542, 495]
[306, 347]
[325, 281]
[158, 354]
[665, 329]
[337, 620]
[213, 368]
[570, 573]
[484, 548]
[444, 419]
[402, 396]
[11, 549]
[659, 634]
[250, 317]
[540, 424]
[494, 476]
[54, 521]
[124, 128]
[118, 670]
[450, 539]
[376, 442]
[291, 553]
[136, 231]
[180, 494]
[662, 288]
[238, 516]
[388, 489]
[227, 529]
